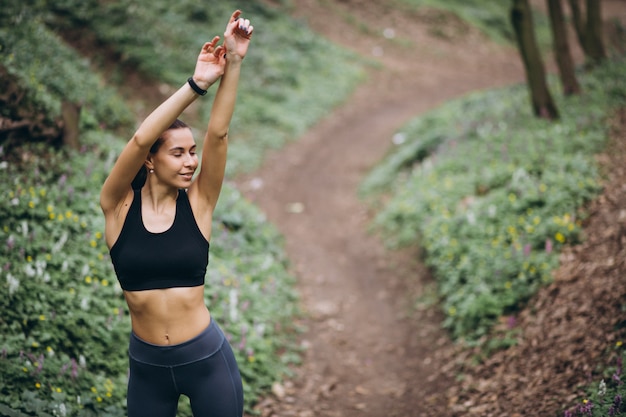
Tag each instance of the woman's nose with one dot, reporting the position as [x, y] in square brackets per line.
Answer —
[190, 160]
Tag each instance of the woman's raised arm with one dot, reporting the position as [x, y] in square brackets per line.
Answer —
[117, 186]
[209, 181]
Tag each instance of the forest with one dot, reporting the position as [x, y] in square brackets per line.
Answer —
[495, 186]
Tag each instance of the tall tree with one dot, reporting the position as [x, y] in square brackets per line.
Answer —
[561, 48]
[589, 29]
[542, 102]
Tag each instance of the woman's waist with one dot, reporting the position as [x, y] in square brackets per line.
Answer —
[202, 345]
[168, 316]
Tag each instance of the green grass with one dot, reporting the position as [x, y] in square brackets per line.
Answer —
[491, 17]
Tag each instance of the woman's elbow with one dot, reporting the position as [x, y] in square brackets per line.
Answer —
[218, 135]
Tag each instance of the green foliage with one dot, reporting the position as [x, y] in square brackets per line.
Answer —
[52, 73]
[491, 193]
[492, 17]
[64, 337]
[286, 78]
[65, 326]
[605, 398]
[64, 321]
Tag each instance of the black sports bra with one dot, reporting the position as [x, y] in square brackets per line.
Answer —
[177, 257]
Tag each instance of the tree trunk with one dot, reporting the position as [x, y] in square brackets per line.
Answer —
[594, 31]
[562, 49]
[542, 102]
[589, 29]
[71, 118]
[579, 24]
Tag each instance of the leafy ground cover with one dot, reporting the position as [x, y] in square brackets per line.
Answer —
[492, 194]
[569, 351]
[64, 334]
[65, 325]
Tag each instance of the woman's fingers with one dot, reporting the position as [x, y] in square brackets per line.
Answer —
[208, 46]
[238, 26]
[243, 28]
[234, 16]
[219, 51]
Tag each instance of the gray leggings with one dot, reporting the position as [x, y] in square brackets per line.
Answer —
[203, 368]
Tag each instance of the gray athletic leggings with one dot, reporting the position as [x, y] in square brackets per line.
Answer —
[203, 368]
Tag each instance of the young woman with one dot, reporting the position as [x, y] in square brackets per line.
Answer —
[158, 233]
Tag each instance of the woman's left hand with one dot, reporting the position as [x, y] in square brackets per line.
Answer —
[210, 64]
[237, 36]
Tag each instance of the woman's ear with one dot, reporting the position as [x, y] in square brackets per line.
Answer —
[149, 164]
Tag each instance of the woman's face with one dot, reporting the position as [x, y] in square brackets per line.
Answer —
[176, 160]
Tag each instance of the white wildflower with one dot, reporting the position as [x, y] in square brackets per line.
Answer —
[267, 263]
[24, 228]
[82, 361]
[60, 243]
[13, 282]
[602, 389]
[471, 217]
[399, 138]
[40, 267]
[84, 303]
[492, 211]
[29, 270]
[519, 176]
[259, 329]
[233, 297]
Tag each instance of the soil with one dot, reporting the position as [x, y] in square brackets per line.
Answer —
[371, 350]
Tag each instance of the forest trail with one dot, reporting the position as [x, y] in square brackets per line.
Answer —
[370, 352]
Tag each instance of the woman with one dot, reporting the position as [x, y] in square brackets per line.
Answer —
[158, 236]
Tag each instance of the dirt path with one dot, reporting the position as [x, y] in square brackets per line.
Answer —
[370, 352]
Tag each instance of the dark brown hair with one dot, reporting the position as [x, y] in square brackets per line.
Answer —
[140, 179]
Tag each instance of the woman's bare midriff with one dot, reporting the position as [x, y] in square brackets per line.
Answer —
[168, 316]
